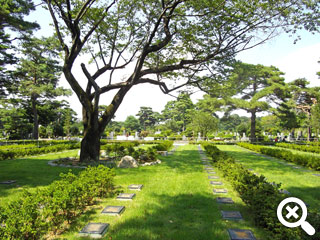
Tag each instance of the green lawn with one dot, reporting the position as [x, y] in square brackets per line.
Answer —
[176, 202]
[299, 182]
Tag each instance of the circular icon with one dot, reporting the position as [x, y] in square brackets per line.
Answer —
[292, 213]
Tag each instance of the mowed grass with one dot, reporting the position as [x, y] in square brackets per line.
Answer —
[176, 202]
[299, 182]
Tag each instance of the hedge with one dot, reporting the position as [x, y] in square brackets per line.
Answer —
[18, 152]
[47, 210]
[301, 159]
[304, 148]
[261, 197]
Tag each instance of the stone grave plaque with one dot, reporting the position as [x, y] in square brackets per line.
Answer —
[296, 167]
[94, 230]
[316, 174]
[209, 168]
[213, 177]
[135, 187]
[211, 172]
[240, 234]
[231, 215]
[113, 210]
[284, 191]
[8, 182]
[215, 183]
[224, 200]
[126, 196]
[220, 190]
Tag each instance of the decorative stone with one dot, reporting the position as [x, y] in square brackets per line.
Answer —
[316, 174]
[231, 215]
[126, 196]
[163, 153]
[240, 234]
[215, 183]
[128, 162]
[113, 210]
[284, 191]
[94, 230]
[137, 187]
[224, 200]
[8, 182]
[220, 190]
[213, 177]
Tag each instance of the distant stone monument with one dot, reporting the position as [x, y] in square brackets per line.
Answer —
[136, 136]
[184, 138]
[111, 135]
[199, 136]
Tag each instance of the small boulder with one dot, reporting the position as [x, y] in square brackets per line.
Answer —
[128, 162]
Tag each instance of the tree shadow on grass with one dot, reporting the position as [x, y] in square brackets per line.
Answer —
[28, 173]
[184, 216]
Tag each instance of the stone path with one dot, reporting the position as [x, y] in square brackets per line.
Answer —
[98, 230]
[234, 234]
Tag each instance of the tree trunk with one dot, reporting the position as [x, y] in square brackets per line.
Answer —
[253, 127]
[90, 144]
[309, 134]
[35, 132]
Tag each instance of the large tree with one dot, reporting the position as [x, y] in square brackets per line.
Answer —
[13, 29]
[157, 41]
[147, 117]
[37, 75]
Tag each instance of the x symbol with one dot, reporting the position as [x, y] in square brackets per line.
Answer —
[292, 212]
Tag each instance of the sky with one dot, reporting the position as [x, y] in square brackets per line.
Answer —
[298, 60]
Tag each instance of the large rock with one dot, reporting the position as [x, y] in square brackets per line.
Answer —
[128, 162]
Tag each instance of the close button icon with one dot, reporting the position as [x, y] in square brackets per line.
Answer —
[292, 213]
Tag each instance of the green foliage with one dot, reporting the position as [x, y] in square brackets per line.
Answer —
[204, 123]
[35, 214]
[260, 196]
[307, 160]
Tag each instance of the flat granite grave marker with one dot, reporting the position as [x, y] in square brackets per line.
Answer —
[126, 196]
[211, 172]
[113, 210]
[137, 187]
[224, 200]
[8, 182]
[213, 177]
[316, 174]
[220, 190]
[215, 183]
[209, 168]
[94, 230]
[240, 234]
[231, 215]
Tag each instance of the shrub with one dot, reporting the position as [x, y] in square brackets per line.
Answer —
[35, 214]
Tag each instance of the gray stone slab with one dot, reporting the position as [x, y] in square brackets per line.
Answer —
[213, 177]
[211, 172]
[220, 190]
[208, 165]
[208, 168]
[241, 234]
[296, 167]
[316, 174]
[8, 182]
[113, 210]
[94, 230]
[284, 191]
[231, 215]
[216, 183]
[224, 200]
[126, 196]
[250, 169]
[137, 187]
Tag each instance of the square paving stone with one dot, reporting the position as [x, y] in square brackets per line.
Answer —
[220, 190]
[135, 187]
[241, 234]
[213, 177]
[224, 200]
[126, 196]
[113, 210]
[296, 167]
[8, 182]
[231, 215]
[215, 183]
[94, 230]
[208, 168]
[316, 174]
[211, 172]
